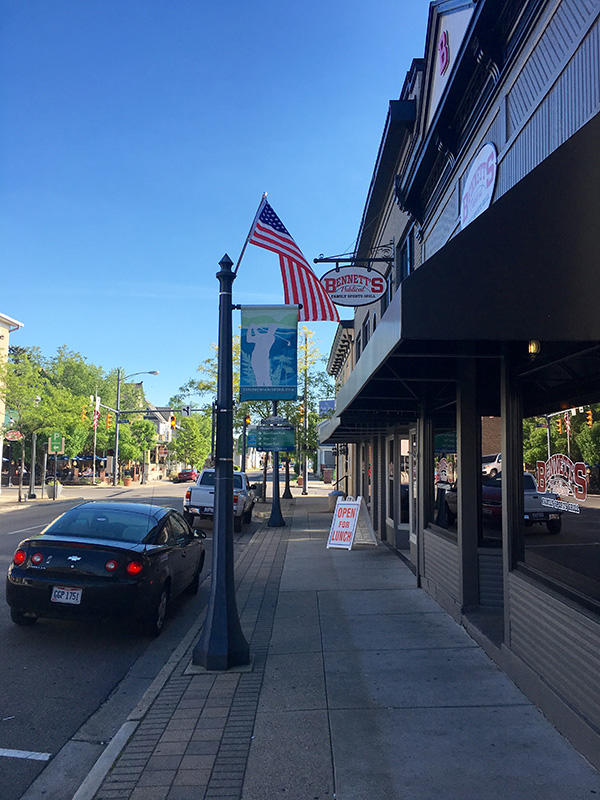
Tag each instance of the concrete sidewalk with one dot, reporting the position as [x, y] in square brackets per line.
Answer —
[361, 687]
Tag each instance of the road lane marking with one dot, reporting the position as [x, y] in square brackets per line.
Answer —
[25, 754]
[23, 530]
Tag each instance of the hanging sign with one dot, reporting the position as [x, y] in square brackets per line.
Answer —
[269, 353]
[563, 477]
[478, 188]
[354, 286]
[276, 439]
[13, 436]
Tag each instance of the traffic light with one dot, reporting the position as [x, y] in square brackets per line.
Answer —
[173, 422]
[84, 412]
[559, 425]
[301, 410]
[247, 420]
[588, 417]
[108, 421]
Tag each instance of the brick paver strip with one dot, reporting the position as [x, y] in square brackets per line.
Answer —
[197, 733]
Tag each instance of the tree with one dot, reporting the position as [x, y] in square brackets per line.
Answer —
[192, 443]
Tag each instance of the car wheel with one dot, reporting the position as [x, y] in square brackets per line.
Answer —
[493, 473]
[237, 524]
[248, 516]
[20, 618]
[155, 620]
[554, 525]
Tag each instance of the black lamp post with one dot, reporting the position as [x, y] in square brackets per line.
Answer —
[222, 643]
[276, 519]
[287, 495]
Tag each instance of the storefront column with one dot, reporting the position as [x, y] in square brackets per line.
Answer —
[382, 486]
[357, 477]
[468, 442]
[375, 483]
[512, 478]
[424, 483]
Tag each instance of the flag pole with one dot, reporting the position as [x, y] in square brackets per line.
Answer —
[260, 207]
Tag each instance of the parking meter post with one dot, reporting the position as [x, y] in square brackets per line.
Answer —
[222, 643]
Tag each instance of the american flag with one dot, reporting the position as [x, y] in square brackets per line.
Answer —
[300, 284]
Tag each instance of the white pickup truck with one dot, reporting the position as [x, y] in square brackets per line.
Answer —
[199, 500]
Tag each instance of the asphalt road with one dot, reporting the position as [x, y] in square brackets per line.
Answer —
[55, 676]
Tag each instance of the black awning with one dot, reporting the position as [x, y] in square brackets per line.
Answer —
[526, 268]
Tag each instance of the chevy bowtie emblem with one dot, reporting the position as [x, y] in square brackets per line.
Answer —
[74, 558]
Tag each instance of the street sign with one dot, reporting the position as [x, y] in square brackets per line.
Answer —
[56, 444]
[13, 436]
[275, 438]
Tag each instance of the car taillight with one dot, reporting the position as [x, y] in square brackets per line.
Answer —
[134, 567]
[111, 565]
[37, 558]
[19, 557]
[235, 498]
[188, 494]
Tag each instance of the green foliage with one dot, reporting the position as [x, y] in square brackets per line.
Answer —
[50, 395]
[192, 444]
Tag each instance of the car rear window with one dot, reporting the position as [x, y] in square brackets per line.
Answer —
[105, 523]
[488, 459]
[208, 479]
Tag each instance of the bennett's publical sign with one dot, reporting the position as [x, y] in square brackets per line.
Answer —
[354, 286]
[560, 475]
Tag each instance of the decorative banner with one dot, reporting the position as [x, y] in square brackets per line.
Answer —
[560, 475]
[269, 353]
[354, 286]
[478, 188]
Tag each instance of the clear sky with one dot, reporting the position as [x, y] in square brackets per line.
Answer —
[136, 140]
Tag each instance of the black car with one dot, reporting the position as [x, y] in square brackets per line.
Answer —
[103, 559]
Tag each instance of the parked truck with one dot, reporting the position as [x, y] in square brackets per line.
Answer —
[199, 500]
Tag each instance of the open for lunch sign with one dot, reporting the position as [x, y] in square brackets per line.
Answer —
[343, 524]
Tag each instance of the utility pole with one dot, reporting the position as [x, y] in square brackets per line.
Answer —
[305, 462]
[222, 643]
[116, 455]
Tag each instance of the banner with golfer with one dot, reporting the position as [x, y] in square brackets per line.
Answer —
[269, 353]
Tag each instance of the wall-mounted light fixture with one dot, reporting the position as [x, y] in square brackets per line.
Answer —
[533, 348]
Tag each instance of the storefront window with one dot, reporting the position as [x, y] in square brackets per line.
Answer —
[560, 534]
[444, 478]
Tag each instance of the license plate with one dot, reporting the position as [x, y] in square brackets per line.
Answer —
[207, 510]
[65, 594]
[537, 515]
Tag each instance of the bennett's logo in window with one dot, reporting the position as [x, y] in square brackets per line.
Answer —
[560, 475]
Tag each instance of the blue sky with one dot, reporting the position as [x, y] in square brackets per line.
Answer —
[137, 137]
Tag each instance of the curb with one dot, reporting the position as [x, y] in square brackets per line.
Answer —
[92, 783]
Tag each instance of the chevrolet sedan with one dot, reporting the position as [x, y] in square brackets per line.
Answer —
[106, 559]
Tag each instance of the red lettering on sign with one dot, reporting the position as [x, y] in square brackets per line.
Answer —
[444, 52]
[580, 481]
[541, 476]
